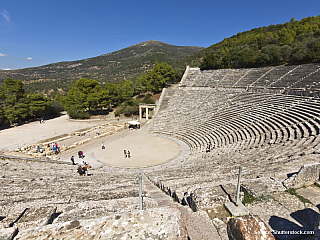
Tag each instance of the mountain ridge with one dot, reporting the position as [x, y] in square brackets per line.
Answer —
[126, 63]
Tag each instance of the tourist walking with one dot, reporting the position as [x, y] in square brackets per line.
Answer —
[128, 154]
[72, 160]
[102, 146]
[125, 153]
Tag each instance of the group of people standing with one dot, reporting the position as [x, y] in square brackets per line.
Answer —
[209, 147]
[127, 154]
[80, 154]
[82, 168]
[54, 147]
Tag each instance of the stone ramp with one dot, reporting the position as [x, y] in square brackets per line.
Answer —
[193, 225]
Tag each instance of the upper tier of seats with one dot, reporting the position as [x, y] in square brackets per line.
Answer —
[302, 77]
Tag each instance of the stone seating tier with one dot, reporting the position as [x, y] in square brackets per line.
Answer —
[250, 129]
[26, 183]
[280, 77]
[259, 113]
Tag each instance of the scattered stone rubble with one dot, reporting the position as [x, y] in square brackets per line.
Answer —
[156, 223]
[41, 150]
[306, 176]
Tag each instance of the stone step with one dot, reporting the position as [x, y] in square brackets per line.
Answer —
[30, 217]
[8, 233]
[283, 211]
[154, 223]
[193, 225]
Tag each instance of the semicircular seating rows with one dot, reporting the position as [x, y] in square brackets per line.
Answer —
[265, 119]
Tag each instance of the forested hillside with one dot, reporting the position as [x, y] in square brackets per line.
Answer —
[294, 42]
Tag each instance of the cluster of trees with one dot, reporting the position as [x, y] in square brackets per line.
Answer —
[295, 42]
[131, 107]
[155, 79]
[84, 97]
[87, 95]
[17, 106]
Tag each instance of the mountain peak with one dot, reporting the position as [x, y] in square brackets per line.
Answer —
[126, 63]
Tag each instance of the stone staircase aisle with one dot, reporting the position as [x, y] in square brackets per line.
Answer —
[192, 225]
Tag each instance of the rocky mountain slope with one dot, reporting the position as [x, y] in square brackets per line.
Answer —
[126, 63]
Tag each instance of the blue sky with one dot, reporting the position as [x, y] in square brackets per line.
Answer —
[39, 32]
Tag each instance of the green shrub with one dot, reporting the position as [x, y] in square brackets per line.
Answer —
[248, 198]
[116, 113]
[128, 111]
[77, 114]
[57, 107]
[148, 100]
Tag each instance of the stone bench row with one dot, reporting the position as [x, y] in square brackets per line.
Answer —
[206, 170]
[273, 125]
[26, 184]
[284, 131]
[281, 76]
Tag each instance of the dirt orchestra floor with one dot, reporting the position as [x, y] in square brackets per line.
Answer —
[145, 149]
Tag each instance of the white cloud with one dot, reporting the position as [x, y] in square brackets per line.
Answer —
[6, 69]
[6, 15]
[4, 55]
[29, 58]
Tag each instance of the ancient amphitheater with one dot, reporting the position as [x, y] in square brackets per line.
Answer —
[266, 120]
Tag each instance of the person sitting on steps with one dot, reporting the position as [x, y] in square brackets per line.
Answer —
[80, 170]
